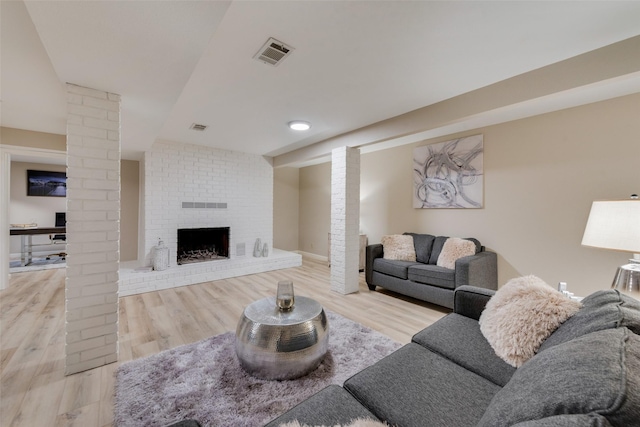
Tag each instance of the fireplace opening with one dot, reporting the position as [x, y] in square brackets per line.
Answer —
[202, 244]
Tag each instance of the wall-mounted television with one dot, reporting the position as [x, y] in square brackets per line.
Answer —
[46, 183]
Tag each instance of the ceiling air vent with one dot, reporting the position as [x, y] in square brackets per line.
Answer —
[198, 127]
[273, 52]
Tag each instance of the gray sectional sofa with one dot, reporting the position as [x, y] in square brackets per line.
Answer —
[423, 279]
[586, 373]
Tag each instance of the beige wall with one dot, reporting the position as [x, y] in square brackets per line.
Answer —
[129, 207]
[315, 209]
[285, 208]
[23, 209]
[26, 138]
[541, 175]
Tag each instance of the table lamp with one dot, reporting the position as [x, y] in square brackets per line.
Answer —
[615, 224]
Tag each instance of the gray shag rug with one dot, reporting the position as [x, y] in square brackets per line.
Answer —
[204, 380]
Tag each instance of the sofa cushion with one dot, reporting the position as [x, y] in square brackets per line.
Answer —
[359, 422]
[453, 249]
[398, 247]
[598, 372]
[571, 420]
[414, 386]
[468, 349]
[438, 243]
[338, 406]
[606, 309]
[432, 275]
[422, 244]
[397, 269]
[521, 315]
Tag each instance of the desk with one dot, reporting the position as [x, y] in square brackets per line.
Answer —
[26, 252]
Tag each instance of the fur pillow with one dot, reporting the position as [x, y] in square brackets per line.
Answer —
[398, 247]
[453, 249]
[359, 422]
[521, 315]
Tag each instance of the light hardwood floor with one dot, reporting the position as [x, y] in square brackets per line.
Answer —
[35, 392]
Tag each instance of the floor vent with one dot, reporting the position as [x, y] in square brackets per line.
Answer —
[273, 52]
[240, 249]
[203, 205]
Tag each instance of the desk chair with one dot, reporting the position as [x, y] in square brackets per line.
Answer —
[61, 221]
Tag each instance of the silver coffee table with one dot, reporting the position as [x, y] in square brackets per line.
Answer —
[281, 345]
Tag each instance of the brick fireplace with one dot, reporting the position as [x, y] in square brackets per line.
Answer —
[202, 244]
[195, 187]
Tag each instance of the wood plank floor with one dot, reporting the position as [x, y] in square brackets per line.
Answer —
[35, 392]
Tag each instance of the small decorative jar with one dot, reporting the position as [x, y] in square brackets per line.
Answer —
[160, 256]
[257, 248]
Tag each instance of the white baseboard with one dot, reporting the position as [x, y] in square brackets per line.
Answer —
[313, 256]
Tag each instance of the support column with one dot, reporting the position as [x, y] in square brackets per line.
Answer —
[345, 219]
[5, 178]
[93, 228]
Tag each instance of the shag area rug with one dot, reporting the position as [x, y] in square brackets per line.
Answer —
[204, 380]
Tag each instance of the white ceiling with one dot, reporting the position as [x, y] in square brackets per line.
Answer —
[355, 62]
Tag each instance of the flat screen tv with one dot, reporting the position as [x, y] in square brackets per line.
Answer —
[47, 184]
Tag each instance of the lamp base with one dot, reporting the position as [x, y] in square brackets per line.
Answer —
[627, 279]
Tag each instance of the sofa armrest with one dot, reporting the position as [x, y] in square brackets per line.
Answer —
[470, 301]
[372, 252]
[479, 270]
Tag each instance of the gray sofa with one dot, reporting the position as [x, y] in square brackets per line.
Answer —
[423, 279]
[586, 373]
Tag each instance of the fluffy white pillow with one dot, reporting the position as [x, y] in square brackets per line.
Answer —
[453, 249]
[521, 315]
[398, 247]
[359, 422]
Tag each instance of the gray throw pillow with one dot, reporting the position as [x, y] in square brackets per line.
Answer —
[599, 372]
[607, 309]
[423, 244]
[475, 242]
[438, 243]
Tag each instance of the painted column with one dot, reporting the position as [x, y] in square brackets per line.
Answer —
[345, 219]
[5, 178]
[93, 228]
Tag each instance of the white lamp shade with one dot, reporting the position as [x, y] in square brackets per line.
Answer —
[614, 225]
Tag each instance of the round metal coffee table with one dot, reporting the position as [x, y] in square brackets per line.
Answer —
[274, 344]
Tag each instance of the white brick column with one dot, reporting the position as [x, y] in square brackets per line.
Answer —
[345, 219]
[93, 228]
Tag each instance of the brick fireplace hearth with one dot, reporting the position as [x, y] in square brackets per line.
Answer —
[192, 186]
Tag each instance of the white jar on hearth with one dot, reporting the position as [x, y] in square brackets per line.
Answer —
[160, 256]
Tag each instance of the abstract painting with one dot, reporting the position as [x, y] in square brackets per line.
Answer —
[449, 174]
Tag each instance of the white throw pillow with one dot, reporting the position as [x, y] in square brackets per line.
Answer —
[453, 249]
[521, 315]
[398, 247]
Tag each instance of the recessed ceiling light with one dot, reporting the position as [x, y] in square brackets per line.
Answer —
[299, 125]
